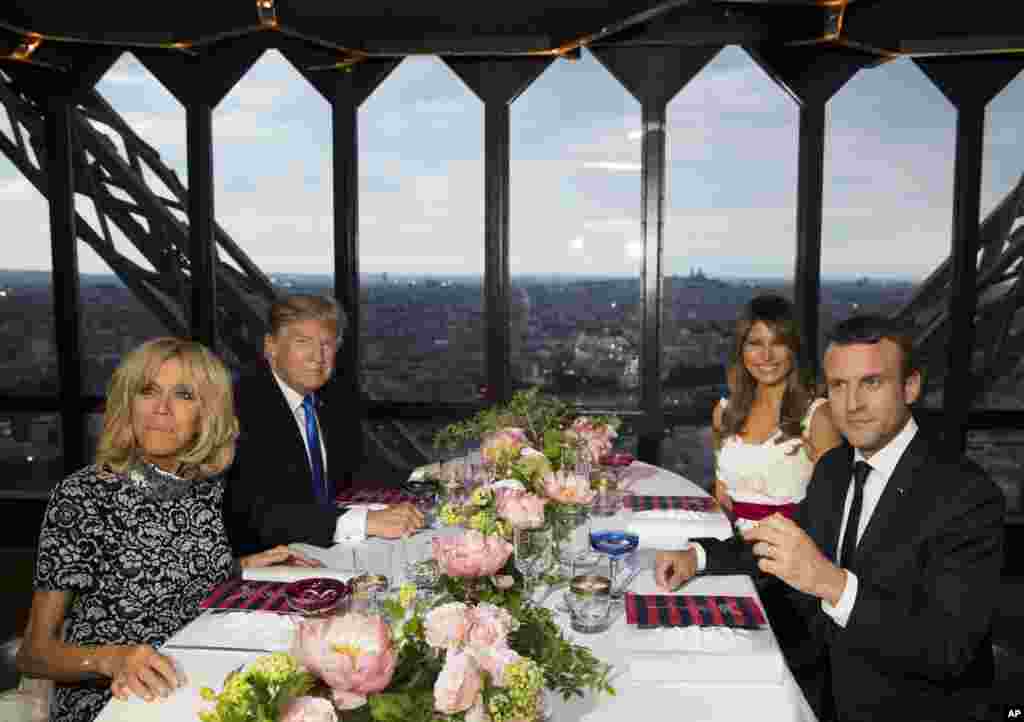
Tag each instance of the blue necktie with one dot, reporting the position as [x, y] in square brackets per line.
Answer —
[316, 462]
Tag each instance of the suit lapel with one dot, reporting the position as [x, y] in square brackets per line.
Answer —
[281, 403]
[894, 499]
[840, 483]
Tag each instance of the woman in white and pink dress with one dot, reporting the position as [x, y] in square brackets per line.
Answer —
[771, 430]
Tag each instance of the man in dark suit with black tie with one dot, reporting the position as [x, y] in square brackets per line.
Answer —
[281, 486]
[894, 556]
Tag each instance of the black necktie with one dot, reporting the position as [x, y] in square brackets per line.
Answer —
[860, 474]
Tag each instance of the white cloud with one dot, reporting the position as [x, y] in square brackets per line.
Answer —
[613, 166]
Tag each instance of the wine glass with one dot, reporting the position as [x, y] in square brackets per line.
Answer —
[614, 545]
[534, 554]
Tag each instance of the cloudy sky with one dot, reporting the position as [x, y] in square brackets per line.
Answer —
[575, 196]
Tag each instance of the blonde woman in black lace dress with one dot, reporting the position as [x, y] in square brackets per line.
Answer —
[133, 543]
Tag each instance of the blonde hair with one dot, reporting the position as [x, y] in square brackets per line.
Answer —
[213, 448]
[305, 307]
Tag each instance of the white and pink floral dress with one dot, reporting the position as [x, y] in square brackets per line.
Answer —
[766, 478]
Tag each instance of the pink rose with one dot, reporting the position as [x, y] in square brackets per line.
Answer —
[458, 686]
[309, 709]
[567, 488]
[522, 510]
[597, 438]
[489, 625]
[446, 625]
[352, 654]
[494, 660]
[478, 712]
[471, 554]
[504, 581]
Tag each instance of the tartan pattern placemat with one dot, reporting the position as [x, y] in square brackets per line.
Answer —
[642, 502]
[375, 496]
[684, 610]
[240, 594]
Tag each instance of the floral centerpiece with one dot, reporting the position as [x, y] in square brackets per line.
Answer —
[536, 454]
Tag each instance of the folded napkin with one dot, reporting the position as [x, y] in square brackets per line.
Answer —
[642, 502]
[702, 654]
[683, 610]
[238, 631]
[374, 496]
[290, 574]
[253, 596]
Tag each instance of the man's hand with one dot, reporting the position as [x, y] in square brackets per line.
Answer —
[280, 554]
[139, 670]
[394, 522]
[787, 552]
[673, 568]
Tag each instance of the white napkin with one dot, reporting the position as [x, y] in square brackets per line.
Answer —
[293, 574]
[237, 630]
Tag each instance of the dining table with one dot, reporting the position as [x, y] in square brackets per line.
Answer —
[692, 672]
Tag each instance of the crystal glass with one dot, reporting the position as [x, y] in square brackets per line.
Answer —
[615, 545]
[573, 542]
[534, 554]
[589, 608]
[607, 502]
[418, 561]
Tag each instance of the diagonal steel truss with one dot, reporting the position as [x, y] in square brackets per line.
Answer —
[114, 169]
[999, 319]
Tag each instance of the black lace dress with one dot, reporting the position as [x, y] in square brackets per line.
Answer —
[139, 551]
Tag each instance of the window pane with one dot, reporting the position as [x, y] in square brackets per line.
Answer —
[421, 236]
[575, 226]
[999, 360]
[729, 233]
[687, 451]
[887, 198]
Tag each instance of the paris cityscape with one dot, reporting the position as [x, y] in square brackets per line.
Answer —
[422, 340]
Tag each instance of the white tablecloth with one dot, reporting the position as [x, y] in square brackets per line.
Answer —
[693, 673]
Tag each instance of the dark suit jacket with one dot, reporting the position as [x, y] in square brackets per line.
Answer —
[269, 496]
[918, 643]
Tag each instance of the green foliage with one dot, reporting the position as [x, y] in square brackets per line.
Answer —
[258, 692]
[534, 412]
[569, 669]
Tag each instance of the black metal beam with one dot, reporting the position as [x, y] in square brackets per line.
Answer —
[202, 253]
[66, 292]
[969, 84]
[653, 76]
[497, 83]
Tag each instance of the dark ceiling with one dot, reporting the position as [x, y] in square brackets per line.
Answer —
[349, 31]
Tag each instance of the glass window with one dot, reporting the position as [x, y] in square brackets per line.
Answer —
[687, 451]
[575, 228]
[729, 234]
[421, 241]
[998, 360]
[888, 200]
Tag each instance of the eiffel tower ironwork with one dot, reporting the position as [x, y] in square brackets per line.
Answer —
[113, 169]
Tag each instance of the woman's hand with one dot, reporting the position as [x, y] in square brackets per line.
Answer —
[280, 554]
[139, 670]
[721, 493]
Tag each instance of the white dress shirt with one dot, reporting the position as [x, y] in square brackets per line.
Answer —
[882, 465]
[352, 524]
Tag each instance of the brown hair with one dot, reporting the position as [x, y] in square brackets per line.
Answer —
[213, 448]
[776, 313]
[305, 307]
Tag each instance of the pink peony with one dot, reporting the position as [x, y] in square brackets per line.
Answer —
[504, 581]
[309, 709]
[568, 488]
[494, 660]
[478, 712]
[352, 654]
[502, 446]
[446, 625]
[471, 554]
[489, 625]
[458, 686]
[522, 510]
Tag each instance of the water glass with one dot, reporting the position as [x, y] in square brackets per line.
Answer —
[574, 549]
[589, 603]
[608, 502]
[534, 554]
[418, 561]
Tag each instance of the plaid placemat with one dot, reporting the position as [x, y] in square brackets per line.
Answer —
[684, 610]
[641, 502]
[240, 594]
[375, 496]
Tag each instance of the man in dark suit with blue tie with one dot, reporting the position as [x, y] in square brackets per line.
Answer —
[895, 554]
[281, 487]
